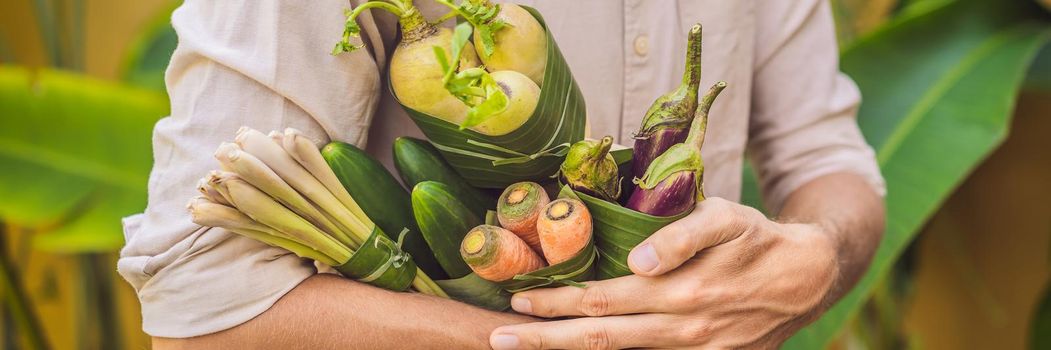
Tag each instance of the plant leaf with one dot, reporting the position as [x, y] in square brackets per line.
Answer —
[150, 52]
[461, 36]
[939, 88]
[76, 155]
[439, 54]
[494, 102]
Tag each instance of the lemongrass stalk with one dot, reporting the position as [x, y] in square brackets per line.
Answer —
[260, 207]
[205, 212]
[275, 157]
[308, 155]
[252, 170]
[424, 284]
[306, 152]
[276, 136]
[209, 192]
[215, 178]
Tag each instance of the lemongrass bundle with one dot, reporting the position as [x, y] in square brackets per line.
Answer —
[277, 189]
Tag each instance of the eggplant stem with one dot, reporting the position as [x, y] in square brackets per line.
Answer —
[692, 76]
[700, 120]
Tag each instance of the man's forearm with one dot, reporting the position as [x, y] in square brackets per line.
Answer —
[846, 207]
[328, 312]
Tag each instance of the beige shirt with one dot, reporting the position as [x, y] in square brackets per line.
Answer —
[265, 64]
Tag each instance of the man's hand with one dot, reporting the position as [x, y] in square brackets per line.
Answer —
[724, 276]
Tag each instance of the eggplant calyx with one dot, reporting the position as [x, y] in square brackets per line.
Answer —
[680, 157]
[590, 168]
[647, 131]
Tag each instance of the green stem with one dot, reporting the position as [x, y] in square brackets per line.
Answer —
[447, 16]
[691, 79]
[424, 284]
[700, 119]
[351, 28]
[459, 11]
[455, 9]
[16, 300]
[603, 148]
[390, 7]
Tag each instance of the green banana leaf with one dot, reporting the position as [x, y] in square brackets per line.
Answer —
[381, 263]
[531, 153]
[151, 50]
[477, 291]
[75, 154]
[939, 86]
[570, 272]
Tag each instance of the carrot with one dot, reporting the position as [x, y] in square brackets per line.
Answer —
[564, 229]
[518, 209]
[497, 255]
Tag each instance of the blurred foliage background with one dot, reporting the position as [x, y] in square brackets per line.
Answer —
[957, 99]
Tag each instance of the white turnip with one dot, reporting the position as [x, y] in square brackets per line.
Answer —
[416, 75]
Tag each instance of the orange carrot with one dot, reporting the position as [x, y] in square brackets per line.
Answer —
[497, 254]
[518, 209]
[564, 229]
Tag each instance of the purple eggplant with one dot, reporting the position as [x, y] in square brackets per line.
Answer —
[589, 168]
[673, 182]
[668, 120]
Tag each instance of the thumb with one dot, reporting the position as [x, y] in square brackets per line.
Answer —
[713, 222]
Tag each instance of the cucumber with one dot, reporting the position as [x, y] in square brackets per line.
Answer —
[382, 199]
[418, 161]
[444, 221]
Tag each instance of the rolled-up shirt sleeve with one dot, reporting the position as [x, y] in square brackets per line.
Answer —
[804, 111]
[262, 64]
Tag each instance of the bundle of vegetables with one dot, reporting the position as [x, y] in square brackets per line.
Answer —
[510, 120]
[279, 190]
[666, 164]
[482, 251]
[542, 242]
[665, 192]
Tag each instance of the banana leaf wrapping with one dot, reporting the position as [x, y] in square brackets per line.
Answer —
[618, 229]
[380, 262]
[477, 291]
[532, 152]
[570, 273]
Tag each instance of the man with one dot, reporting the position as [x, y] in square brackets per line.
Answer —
[724, 276]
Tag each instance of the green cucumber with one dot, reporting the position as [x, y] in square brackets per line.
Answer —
[382, 198]
[418, 161]
[444, 221]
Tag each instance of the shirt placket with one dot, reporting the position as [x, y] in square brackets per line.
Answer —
[636, 56]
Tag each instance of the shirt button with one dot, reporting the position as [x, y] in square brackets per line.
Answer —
[642, 45]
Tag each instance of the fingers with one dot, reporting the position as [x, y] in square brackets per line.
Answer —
[614, 332]
[715, 221]
[618, 296]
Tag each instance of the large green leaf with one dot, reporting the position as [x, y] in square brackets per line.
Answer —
[75, 154]
[939, 86]
[151, 50]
